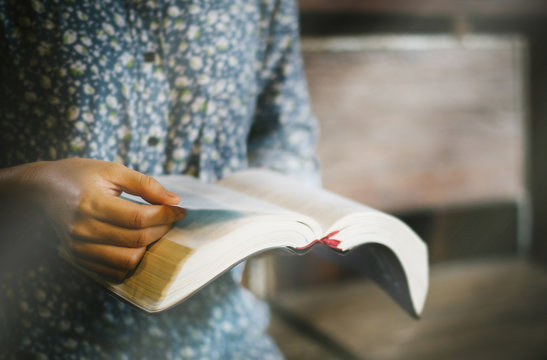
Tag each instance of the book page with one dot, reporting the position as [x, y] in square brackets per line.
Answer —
[281, 190]
[197, 195]
[214, 212]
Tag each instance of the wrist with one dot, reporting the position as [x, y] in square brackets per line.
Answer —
[22, 181]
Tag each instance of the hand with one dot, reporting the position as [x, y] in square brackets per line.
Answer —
[104, 232]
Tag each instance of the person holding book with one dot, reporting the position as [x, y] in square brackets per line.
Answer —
[97, 98]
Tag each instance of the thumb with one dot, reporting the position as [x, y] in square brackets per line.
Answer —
[136, 183]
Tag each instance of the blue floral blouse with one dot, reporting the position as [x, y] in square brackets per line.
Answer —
[197, 87]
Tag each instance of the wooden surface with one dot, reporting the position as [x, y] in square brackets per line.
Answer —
[419, 122]
[491, 309]
[506, 8]
[296, 345]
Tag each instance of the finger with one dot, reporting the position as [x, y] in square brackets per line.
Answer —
[136, 183]
[107, 272]
[96, 231]
[116, 257]
[117, 211]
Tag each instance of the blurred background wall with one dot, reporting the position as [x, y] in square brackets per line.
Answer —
[434, 111]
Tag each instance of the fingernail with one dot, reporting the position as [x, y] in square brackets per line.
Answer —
[172, 195]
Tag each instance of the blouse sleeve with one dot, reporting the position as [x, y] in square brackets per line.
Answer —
[284, 132]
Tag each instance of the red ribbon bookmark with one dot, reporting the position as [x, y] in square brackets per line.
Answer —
[326, 240]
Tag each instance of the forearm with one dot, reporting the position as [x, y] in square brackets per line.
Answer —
[19, 215]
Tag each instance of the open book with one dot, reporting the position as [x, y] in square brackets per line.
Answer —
[256, 210]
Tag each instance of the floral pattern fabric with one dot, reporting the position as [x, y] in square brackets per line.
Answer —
[165, 87]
